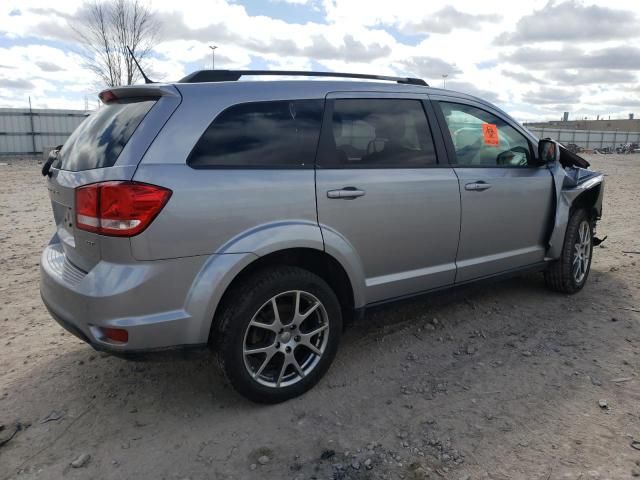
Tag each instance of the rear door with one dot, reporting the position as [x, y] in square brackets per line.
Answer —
[506, 197]
[382, 188]
[100, 149]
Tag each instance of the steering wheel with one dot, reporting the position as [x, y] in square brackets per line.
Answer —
[505, 157]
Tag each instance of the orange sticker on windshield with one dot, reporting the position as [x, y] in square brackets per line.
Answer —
[490, 134]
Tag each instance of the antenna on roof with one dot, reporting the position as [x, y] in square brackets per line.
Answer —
[146, 79]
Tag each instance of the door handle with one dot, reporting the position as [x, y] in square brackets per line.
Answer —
[348, 193]
[477, 186]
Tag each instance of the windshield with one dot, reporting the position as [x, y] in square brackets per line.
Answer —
[100, 139]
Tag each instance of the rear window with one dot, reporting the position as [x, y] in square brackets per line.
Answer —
[278, 134]
[99, 140]
[377, 133]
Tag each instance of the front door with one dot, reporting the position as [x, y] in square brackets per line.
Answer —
[506, 197]
[383, 191]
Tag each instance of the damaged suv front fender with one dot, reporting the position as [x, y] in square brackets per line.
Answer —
[575, 187]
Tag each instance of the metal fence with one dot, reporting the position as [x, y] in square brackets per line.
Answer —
[26, 131]
[587, 139]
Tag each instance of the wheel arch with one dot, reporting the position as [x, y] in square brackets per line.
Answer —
[591, 201]
[314, 260]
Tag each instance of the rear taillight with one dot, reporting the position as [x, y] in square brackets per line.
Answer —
[121, 209]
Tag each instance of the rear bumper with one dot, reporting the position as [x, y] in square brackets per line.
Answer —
[128, 353]
[148, 299]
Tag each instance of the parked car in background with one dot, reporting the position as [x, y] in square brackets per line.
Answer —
[258, 217]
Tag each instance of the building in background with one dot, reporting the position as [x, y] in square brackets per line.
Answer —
[624, 125]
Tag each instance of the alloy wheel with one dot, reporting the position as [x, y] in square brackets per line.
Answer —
[286, 339]
[582, 252]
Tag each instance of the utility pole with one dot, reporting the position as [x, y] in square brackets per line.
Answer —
[213, 56]
[33, 132]
[444, 80]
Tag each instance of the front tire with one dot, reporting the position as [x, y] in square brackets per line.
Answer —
[569, 273]
[277, 333]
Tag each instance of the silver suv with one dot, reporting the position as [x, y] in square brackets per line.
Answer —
[259, 216]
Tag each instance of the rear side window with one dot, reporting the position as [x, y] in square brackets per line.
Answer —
[99, 140]
[377, 133]
[278, 134]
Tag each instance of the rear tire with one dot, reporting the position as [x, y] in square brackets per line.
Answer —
[272, 354]
[569, 273]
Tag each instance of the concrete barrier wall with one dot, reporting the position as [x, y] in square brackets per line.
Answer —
[587, 138]
[27, 132]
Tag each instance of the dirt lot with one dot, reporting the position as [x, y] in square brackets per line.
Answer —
[499, 380]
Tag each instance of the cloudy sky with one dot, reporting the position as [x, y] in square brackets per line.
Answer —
[534, 58]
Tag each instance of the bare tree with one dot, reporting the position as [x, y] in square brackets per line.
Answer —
[106, 28]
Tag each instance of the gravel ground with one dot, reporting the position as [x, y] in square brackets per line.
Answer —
[502, 380]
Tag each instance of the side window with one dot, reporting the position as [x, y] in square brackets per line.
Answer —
[377, 133]
[281, 134]
[482, 139]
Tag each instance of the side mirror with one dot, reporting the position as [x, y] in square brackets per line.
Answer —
[548, 151]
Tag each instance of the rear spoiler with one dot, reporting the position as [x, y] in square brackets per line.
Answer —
[137, 91]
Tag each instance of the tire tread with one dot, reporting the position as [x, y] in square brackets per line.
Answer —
[240, 296]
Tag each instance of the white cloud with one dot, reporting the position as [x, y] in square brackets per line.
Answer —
[293, 2]
[479, 45]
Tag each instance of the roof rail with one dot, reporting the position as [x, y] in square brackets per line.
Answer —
[233, 75]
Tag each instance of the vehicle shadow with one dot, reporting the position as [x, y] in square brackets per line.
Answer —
[110, 404]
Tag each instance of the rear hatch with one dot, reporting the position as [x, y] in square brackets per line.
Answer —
[107, 146]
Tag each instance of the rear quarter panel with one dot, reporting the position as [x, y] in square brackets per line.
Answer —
[223, 210]
[229, 211]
